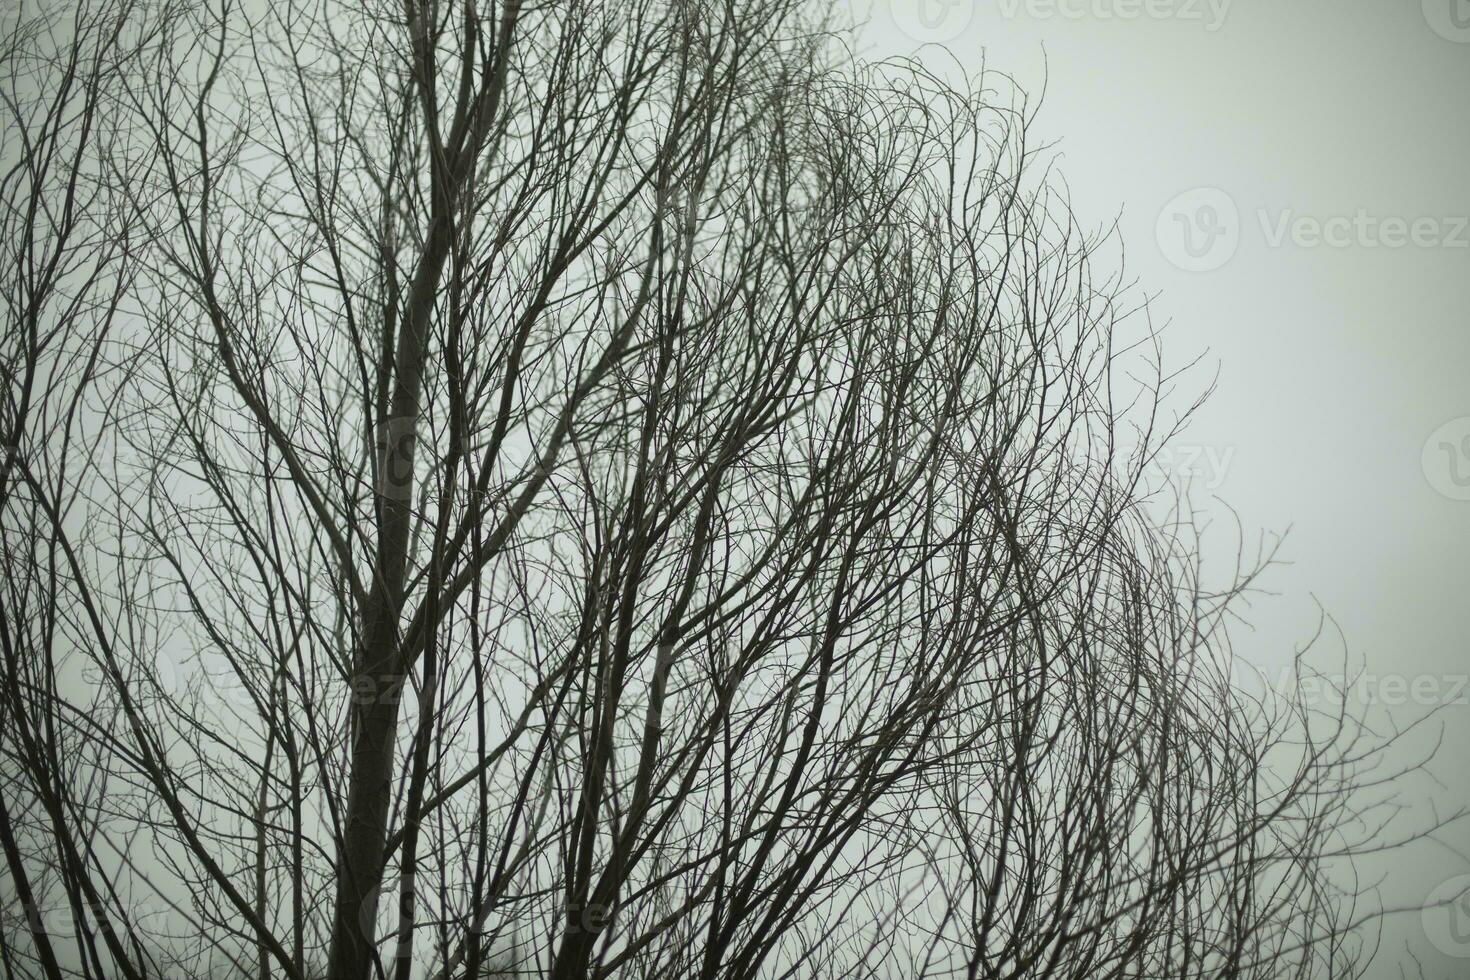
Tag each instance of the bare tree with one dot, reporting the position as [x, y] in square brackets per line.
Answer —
[601, 489]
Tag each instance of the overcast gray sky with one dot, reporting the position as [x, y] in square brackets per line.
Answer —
[1294, 184]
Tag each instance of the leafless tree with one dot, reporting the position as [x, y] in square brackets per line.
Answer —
[602, 489]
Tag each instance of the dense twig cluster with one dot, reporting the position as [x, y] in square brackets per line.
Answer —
[598, 489]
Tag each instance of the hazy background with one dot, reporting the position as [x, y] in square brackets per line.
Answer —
[1341, 353]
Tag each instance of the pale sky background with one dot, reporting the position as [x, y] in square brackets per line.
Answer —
[1337, 362]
